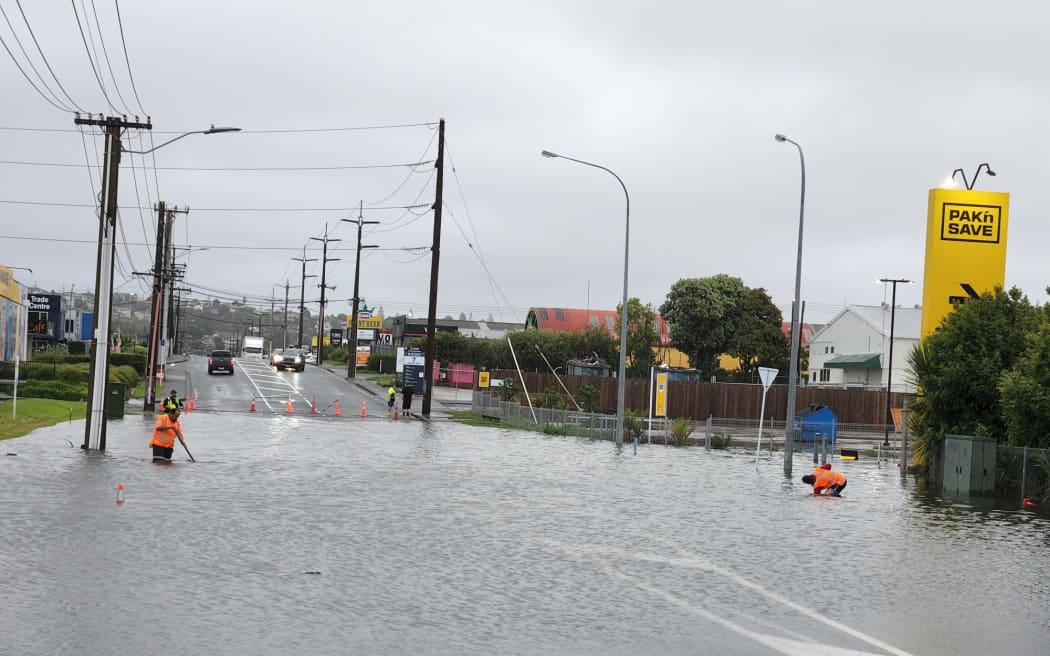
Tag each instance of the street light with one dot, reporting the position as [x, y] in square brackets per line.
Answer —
[789, 422]
[889, 367]
[621, 380]
[211, 130]
[95, 426]
[969, 184]
[21, 268]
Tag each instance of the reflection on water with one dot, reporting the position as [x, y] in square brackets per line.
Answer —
[447, 539]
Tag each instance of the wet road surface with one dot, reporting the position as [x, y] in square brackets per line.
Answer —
[319, 535]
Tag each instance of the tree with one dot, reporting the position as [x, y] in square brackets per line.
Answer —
[958, 368]
[1025, 393]
[704, 314]
[758, 340]
[641, 335]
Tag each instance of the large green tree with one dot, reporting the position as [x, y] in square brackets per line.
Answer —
[1025, 392]
[641, 335]
[958, 368]
[759, 340]
[704, 314]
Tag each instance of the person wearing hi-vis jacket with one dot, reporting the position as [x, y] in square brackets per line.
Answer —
[165, 431]
[823, 479]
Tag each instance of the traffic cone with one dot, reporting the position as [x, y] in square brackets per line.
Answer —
[338, 412]
[363, 406]
[313, 406]
[120, 494]
[289, 408]
[252, 409]
[395, 413]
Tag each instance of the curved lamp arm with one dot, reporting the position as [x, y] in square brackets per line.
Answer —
[211, 130]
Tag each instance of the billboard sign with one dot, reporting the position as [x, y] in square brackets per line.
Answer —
[965, 250]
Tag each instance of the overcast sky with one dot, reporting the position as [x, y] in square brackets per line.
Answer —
[680, 99]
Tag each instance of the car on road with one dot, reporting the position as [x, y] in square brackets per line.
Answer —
[220, 361]
[275, 356]
[290, 358]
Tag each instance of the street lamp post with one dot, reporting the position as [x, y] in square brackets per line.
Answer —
[95, 426]
[789, 421]
[889, 365]
[622, 379]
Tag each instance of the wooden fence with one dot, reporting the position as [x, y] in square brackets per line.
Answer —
[723, 400]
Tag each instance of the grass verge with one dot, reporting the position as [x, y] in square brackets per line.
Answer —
[36, 413]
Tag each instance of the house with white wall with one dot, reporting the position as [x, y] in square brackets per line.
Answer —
[853, 349]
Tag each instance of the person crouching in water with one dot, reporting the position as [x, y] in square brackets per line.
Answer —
[824, 480]
[164, 434]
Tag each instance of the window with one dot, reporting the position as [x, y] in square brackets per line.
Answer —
[69, 325]
[829, 349]
[37, 323]
[558, 314]
[825, 375]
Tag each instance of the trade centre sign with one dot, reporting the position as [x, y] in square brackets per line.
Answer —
[965, 249]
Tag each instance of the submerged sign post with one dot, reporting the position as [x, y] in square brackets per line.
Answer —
[965, 250]
[767, 375]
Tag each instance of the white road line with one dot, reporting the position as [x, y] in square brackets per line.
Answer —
[695, 561]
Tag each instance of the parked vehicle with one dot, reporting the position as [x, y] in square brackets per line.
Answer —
[290, 358]
[220, 361]
[275, 356]
[253, 346]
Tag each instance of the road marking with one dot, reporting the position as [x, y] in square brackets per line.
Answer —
[695, 561]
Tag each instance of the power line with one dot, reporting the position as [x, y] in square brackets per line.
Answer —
[275, 131]
[124, 43]
[57, 102]
[239, 168]
[105, 53]
[43, 57]
[230, 209]
[213, 247]
[88, 51]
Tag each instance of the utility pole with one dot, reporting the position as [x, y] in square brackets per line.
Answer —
[302, 292]
[149, 398]
[435, 252]
[324, 265]
[272, 316]
[351, 340]
[95, 426]
[284, 338]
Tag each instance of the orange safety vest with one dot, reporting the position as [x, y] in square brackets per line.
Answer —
[825, 478]
[164, 432]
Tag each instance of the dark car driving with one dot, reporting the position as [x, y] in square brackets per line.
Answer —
[220, 361]
[290, 358]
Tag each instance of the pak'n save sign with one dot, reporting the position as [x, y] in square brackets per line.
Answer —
[966, 222]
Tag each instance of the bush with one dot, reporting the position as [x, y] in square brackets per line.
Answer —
[136, 360]
[53, 389]
[125, 374]
[632, 424]
[555, 429]
[384, 363]
[336, 354]
[509, 391]
[77, 348]
[681, 429]
[589, 397]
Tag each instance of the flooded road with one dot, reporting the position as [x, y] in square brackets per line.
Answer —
[345, 535]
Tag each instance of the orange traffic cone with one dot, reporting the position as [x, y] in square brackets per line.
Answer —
[289, 408]
[363, 406]
[252, 409]
[395, 413]
[338, 412]
[313, 406]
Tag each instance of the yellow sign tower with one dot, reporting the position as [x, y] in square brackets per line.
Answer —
[965, 250]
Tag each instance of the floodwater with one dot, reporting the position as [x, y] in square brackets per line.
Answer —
[295, 535]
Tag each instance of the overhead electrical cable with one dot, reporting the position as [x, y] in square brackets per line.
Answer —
[127, 60]
[44, 58]
[254, 169]
[56, 102]
[105, 53]
[231, 209]
[88, 50]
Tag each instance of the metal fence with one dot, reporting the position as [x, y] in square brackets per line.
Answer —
[1023, 472]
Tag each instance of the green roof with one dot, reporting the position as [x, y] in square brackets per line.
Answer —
[855, 361]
